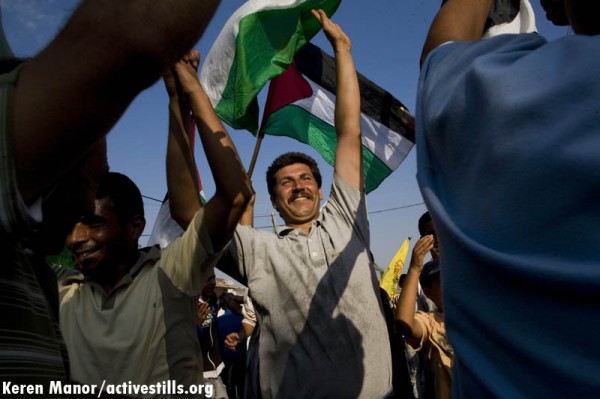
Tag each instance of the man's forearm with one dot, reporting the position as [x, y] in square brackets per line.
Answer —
[157, 32]
[233, 189]
[229, 174]
[105, 55]
[405, 310]
[347, 101]
[182, 179]
[457, 20]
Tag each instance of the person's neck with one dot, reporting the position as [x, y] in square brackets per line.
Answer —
[305, 227]
[109, 279]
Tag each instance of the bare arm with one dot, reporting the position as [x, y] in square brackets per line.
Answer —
[457, 20]
[233, 190]
[232, 340]
[248, 216]
[73, 92]
[348, 153]
[182, 179]
[405, 310]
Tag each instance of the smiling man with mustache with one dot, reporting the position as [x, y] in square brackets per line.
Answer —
[294, 183]
[322, 330]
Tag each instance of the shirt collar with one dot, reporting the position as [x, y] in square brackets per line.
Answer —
[283, 231]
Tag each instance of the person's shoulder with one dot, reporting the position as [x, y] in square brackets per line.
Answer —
[438, 317]
[338, 181]
[340, 188]
[68, 277]
[342, 192]
[148, 257]
[150, 253]
[259, 233]
[425, 318]
[467, 51]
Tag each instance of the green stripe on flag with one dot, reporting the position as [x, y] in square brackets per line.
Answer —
[295, 122]
[375, 170]
[265, 46]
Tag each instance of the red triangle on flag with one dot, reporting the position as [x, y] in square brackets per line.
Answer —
[285, 89]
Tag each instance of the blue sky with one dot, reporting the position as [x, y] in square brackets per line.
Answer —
[387, 36]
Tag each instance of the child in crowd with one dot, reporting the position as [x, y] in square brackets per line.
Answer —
[426, 330]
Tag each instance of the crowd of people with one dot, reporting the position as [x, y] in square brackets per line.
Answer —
[508, 133]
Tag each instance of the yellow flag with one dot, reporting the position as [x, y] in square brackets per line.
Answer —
[391, 277]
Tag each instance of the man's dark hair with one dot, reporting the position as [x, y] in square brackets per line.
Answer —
[290, 158]
[430, 271]
[423, 220]
[126, 198]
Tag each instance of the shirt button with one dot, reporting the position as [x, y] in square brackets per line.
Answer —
[314, 254]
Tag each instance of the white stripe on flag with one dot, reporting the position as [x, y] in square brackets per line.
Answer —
[217, 64]
[165, 229]
[389, 146]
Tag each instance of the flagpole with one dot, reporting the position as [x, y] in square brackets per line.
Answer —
[259, 139]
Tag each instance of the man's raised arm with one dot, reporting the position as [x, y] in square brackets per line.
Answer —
[348, 153]
[72, 93]
[405, 310]
[182, 177]
[457, 20]
[233, 190]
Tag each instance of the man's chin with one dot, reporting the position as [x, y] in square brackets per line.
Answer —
[299, 218]
[87, 267]
[555, 12]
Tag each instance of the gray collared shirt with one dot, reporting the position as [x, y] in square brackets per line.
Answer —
[323, 333]
[144, 330]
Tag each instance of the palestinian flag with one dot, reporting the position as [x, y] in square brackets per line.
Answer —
[166, 229]
[301, 104]
[257, 43]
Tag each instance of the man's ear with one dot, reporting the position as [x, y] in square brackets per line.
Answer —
[273, 202]
[320, 194]
[136, 227]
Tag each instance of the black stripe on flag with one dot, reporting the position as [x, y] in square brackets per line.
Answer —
[376, 103]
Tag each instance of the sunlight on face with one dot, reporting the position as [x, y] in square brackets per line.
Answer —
[297, 194]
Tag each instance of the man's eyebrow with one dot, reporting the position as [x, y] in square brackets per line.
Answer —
[91, 218]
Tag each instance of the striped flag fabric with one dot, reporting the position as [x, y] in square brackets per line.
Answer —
[166, 229]
[391, 277]
[301, 104]
[257, 43]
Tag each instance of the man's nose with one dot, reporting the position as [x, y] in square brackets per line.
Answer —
[298, 188]
[298, 185]
[78, 235]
